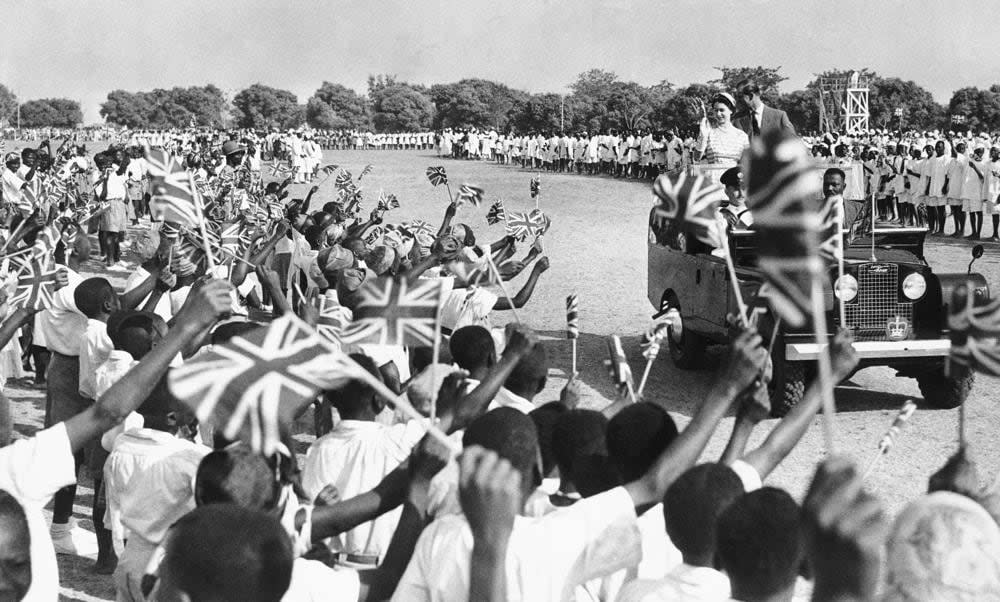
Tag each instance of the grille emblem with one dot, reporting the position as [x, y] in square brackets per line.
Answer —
[897, 329]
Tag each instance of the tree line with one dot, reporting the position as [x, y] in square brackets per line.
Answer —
[597, 100]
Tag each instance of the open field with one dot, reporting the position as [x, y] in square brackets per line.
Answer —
[597, 248]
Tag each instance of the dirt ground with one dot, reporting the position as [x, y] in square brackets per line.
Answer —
[597, 246]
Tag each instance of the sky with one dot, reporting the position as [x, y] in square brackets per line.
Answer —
[83, 50]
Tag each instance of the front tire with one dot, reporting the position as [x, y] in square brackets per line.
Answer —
[946, 392]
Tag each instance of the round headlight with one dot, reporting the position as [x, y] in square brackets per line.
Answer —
[846, 288]
[914, 286]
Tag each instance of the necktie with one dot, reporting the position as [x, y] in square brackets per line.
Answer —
[756, 125]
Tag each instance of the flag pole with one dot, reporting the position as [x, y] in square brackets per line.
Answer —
[825, 372]
[839, 217]
[503, 287]
[435, 356]
[398, 401]
[740, 304]
[201, 223]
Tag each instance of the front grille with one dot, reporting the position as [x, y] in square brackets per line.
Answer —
[877, 303]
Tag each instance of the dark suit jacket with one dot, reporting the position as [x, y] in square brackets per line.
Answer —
[771, 120]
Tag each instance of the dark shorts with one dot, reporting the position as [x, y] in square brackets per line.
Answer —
[62, 395]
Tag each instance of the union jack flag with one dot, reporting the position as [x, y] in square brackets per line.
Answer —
[281, 170]
[343, 181]
[534, 186]
[419, 227]
[831, 236]
[231, 238]
[468, 193]
[437, 175]
[32, 196]
[974, 326]
[496, 213]
[329, 169]
[473, 274]
[387, 202]
[692, 203]
[519, 225]
[364, 172]
[257, 382]
[541, 222]
[333, 317]
[784, 198]
[36, 282]
[396, 312]
[172, 197]
[372, 235]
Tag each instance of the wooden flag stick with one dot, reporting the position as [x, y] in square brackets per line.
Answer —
[435, 357]
[503, 287]
[398, 401]
[209, 257]
[574, 356]
[733, 280]
[826, 383]
[17, 230]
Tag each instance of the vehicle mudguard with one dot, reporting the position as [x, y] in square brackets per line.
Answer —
[949, 282]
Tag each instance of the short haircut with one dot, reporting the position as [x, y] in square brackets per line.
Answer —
[12, 511]
[91, 294]
[529, 374]
[351, 398]
[123, 324]
[693, 504]
[637, 436]
[835, 171]
[748, 87]
[581, 451]
[236, 475]
[472, 347]
[512, 435]
[225, 332]
[759, 542]
[226, 553]
[545, 418]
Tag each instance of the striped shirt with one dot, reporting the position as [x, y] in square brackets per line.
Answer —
[724, 144]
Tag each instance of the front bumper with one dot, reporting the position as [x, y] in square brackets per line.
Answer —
[875, 349]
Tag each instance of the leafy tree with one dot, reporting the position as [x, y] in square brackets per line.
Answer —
[681, 110]
[629, 104]
[401, 107]
[768, 78]
[920, 110]
[981, 108]
[126, 108]
[802, 107]
[162, 108]
[541, 113]
[334, 106]
[51, 112]
[8, 103]
[261, 106]
[473, 102]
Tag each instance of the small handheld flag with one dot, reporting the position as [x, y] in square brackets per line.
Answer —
[572, 317]
[437, 176]
[468, 193]
[496, 213]
[364, 172]
[617, 364]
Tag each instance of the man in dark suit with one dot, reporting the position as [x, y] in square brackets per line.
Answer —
[757, 119]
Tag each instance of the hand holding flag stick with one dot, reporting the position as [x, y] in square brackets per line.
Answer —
[889, 438]
[656, 335]
[617, 364]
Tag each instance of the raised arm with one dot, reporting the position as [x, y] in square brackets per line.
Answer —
[522, 296]
[786, 435]
[209, 303]
[745, 363]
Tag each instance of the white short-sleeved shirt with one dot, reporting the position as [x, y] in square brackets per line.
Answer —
[150, 482]
[62, 326]
[659, 554]
[95, 348]
[33, 470]
[313, 581]
[354, 457]
[466, 306]
[547, 557]
[12, 184]
[685, 583]
[505, 399]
